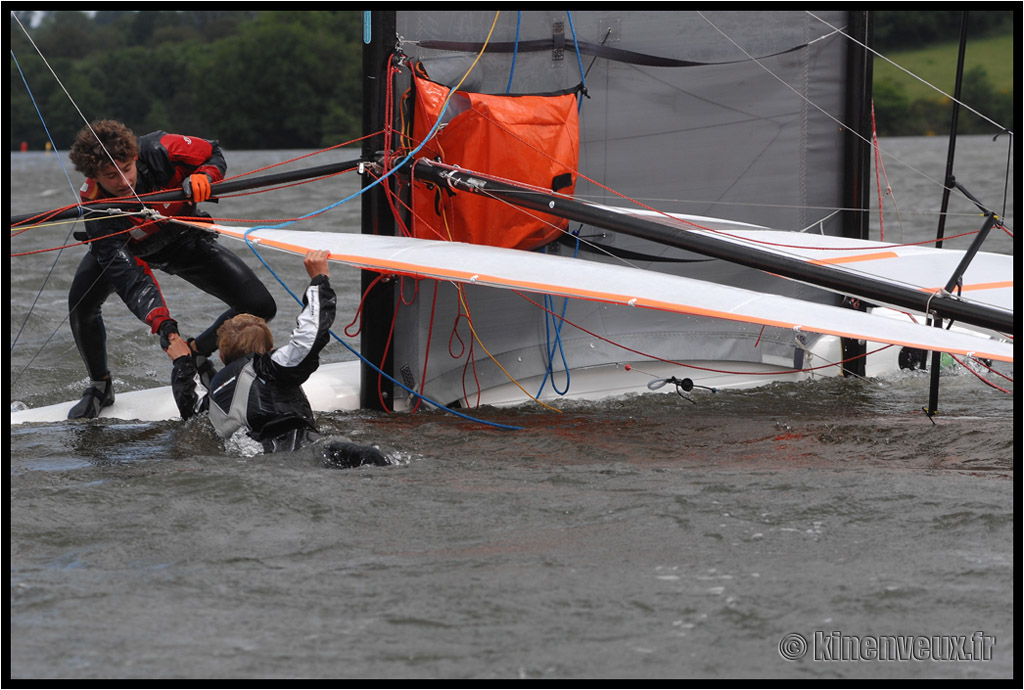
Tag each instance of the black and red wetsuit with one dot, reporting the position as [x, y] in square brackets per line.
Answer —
[121, 261]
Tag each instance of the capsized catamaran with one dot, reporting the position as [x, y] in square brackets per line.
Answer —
[509, 192]
[761, 118]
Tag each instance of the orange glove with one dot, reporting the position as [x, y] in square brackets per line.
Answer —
[197, 187]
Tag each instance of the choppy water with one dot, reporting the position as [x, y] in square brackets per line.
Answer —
[647, 537]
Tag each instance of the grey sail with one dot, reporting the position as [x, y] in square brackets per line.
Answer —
[746, 116]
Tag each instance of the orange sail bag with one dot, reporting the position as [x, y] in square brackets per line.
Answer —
[531, 139]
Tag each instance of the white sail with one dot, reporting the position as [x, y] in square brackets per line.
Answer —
[531, 272]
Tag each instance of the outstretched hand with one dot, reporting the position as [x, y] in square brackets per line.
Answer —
[316, 262]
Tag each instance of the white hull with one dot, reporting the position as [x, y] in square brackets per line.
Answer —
[332, 387]
[335, 387]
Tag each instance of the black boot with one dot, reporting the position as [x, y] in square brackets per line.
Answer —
[93, 400]
[341, 455]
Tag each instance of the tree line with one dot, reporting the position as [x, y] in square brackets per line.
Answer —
[287, 79]
[252, 80]
[896, 30]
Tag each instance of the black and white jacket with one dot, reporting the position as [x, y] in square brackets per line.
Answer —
[263, 393]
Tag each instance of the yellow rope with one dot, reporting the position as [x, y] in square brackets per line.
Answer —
[476, 336]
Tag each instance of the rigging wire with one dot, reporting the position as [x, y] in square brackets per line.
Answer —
[56, 259]
[906, 71]
[879, 175]
[861, 44]
[70, 99]
[35, 301]
[802, 96]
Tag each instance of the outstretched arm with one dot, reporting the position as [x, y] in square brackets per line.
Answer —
[300, 356]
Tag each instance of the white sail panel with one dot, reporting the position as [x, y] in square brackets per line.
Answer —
[555, 275]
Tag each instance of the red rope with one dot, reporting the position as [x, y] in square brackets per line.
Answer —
[982, 378]
[88, 241]
[692, 366]
[878, 167]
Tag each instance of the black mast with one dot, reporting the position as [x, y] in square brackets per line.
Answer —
[864, 287]
[219, 189]
[858, 140]
[950, 181]
[376, 392]
[858, 148]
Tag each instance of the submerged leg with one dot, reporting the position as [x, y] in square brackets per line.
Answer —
[343, 454]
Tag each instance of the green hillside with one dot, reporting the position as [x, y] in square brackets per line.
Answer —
[908, 105]
[937, 66]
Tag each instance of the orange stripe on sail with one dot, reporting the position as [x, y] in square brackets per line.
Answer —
[989, 286]
[856, 257]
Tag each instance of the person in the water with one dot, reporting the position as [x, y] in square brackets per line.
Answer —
[260, 388]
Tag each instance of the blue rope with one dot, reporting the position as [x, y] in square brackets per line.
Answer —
[579, 59]
[515, 53]
[557, 345]
[548, 300]
[549, 306]
[60, 251]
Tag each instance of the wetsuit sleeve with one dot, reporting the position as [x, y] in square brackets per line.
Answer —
[170, 158]
[190, 395]
[296, 361]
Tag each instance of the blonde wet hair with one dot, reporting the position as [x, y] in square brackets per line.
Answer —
[243, 335]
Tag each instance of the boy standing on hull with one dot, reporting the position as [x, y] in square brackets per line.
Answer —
[124, 249]
[260, 388]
